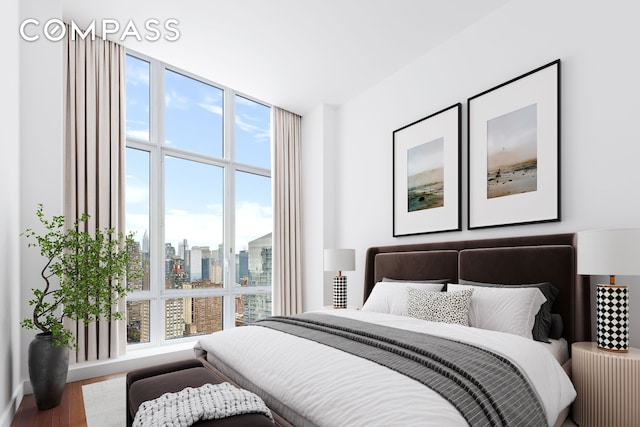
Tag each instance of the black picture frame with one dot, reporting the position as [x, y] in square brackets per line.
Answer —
[426, 174]
[514, 151]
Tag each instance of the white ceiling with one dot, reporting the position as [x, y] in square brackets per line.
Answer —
[295, 54]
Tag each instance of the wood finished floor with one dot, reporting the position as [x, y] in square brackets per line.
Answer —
[70, 412]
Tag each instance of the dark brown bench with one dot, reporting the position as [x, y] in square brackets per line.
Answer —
[150, 383]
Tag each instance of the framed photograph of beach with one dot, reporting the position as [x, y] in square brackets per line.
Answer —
[514, 151]
[426, 174]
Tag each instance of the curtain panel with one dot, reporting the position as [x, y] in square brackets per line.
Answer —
[94, 166]
[287, 276]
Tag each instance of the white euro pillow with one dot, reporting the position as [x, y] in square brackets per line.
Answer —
[391, 297]
[511, 310]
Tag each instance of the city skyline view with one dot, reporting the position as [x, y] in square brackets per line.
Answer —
[186, 180]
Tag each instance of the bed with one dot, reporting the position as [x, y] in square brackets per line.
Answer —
[343, 379]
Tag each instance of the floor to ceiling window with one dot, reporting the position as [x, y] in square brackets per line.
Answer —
[198, 197]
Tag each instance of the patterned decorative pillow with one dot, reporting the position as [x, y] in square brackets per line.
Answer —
[446, 307]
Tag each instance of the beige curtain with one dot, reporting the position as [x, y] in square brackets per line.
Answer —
[287, 286]
[94, 163]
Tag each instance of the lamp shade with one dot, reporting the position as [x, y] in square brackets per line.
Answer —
[339, 259]
[609, 252]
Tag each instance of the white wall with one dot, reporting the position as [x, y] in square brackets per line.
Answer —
[10, 351]
[41, 126]
[599, 136]
[318, 210]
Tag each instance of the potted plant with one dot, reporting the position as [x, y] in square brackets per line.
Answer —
[91, 266]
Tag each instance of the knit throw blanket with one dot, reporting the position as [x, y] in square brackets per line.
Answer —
[190, 405]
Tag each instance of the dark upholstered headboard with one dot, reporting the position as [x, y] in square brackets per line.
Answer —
[512, 260]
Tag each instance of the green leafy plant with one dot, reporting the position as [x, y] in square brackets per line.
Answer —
[91, 266]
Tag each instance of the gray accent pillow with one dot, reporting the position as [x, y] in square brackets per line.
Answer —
[542, 325]
[557, 326]
[447, 307]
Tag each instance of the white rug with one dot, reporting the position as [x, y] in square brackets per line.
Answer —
[105, 403]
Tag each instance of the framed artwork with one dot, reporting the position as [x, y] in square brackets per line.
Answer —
[426, 174]
[514, 151]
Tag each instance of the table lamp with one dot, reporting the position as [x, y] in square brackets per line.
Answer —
[610, 253]
[339, 260]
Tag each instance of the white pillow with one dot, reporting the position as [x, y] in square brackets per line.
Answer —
[446, 307]
[391, 297]
[511, 310]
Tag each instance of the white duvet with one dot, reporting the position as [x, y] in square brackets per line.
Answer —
[331, 388]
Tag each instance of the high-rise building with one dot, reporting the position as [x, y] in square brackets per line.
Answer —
[175, 276]
[145, 242]
[135, 264]
[183, 247]
[207, 311]
[253, 307]
[138, 328]
[199, 263]
[242, 270]
[145, 261]
[200, 315]
[195, 264]
[259, 261]
[215, 268]
[174, 318]
[169, 251]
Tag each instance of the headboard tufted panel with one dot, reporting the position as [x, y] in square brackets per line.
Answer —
[416, 265]
[526, 264]
[513, 260]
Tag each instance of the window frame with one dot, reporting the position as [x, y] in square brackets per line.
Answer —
[158, 150]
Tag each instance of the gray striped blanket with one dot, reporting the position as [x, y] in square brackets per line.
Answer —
[486, 388]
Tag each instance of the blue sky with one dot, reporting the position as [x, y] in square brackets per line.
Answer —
[193, 197]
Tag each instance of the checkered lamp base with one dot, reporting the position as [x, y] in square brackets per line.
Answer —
[340, 292]
[612, 329]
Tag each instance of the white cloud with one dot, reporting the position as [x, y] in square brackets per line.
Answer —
[138, 223]
[214, 109]
[200, 229]
[173, 99]
[178, 212]
[244, 101]
[136, 193]
[252, 221]
[138, 134]
[260, 133]
[215, 208]
[205, 229]
[137, 75]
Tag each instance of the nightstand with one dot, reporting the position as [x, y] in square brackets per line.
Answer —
[608, 386]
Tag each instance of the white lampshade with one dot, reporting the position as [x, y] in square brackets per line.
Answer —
[339, 259]
[609, 252]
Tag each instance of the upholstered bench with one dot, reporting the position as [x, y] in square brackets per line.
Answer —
[150, 383]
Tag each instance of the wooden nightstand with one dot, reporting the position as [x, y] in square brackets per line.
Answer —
[608, 386]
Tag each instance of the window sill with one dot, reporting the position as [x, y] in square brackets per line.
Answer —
[133, 359]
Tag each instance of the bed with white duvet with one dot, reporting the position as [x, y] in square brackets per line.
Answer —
[519, 298]
[327, 387]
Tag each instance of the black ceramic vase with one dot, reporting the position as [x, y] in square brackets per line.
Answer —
[48, 367]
